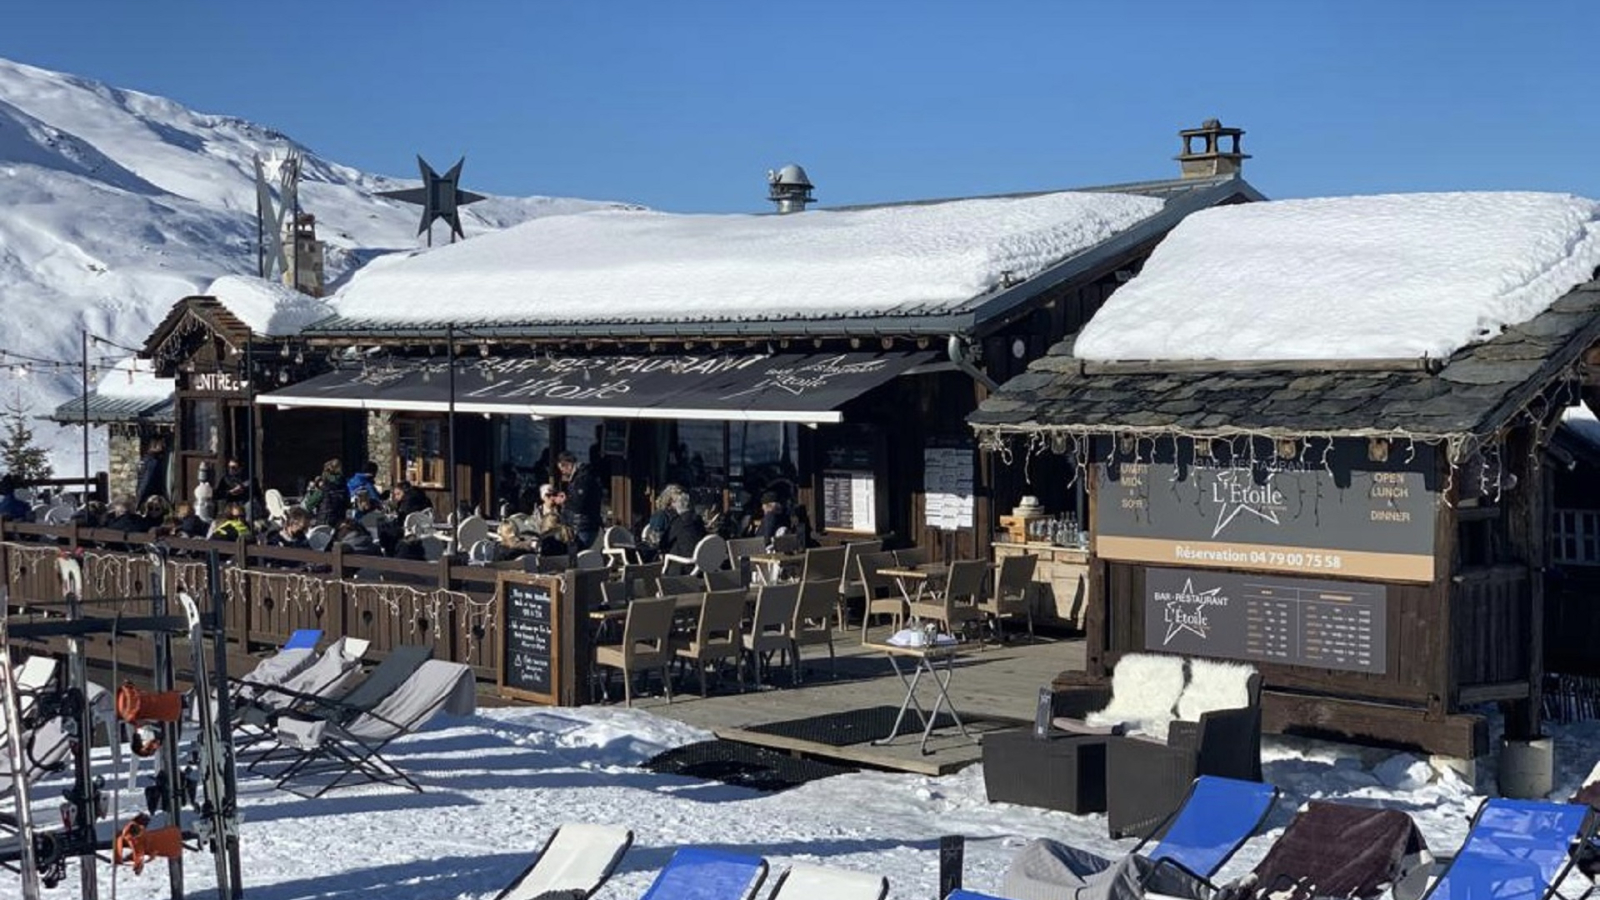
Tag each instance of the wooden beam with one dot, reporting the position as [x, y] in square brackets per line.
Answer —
[1461, 736]
[1473, 694]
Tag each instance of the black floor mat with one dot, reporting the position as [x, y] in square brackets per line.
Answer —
[743, 765]
[853, 727]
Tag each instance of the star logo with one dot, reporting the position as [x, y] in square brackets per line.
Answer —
[1234, 498]
[1194, 623]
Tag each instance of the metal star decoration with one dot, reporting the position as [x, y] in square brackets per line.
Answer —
[440, 196]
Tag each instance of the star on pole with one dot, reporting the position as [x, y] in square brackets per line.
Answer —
[440, 196]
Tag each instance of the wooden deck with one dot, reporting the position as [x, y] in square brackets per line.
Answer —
[993, 688]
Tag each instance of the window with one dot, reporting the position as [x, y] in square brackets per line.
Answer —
[1575, 537]
[698, 461]
[202, 426]
[420, 450]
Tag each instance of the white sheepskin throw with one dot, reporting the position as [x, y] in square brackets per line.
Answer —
[1214, 685]
[1144, 690]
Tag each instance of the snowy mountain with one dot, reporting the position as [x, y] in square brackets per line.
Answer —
[114, 204]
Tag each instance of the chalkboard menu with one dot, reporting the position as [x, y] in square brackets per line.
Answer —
[529, 658]
[849, 501]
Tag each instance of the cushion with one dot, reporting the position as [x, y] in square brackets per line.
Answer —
[1080, 726]
[1214, 684]
[1144, 690]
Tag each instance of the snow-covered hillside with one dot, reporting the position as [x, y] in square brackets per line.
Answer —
[114, 204]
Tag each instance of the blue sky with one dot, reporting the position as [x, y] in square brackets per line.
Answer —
[684, 105]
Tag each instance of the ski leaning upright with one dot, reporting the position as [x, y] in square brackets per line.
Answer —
[217, 823]
[16, 757]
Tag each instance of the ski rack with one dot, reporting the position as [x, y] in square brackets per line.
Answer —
[49, 849]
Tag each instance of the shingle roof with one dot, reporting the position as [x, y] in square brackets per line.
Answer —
[104, 410]
[1475, 392]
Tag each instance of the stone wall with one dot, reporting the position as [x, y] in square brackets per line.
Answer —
[381, 447]
[124, 455]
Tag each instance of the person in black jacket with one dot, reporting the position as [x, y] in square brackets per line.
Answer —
[582, 506]
[151, 480]
[684, 529]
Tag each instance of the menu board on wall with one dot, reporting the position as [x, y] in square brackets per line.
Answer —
[849, 501]
[1290, 621]
[529, 654]
[947, 487]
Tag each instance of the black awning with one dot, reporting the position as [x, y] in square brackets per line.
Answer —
[786, 387]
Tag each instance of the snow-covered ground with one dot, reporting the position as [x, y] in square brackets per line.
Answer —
[496, 783]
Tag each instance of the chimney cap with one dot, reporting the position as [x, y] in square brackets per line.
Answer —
[789, 176]
[1211, 126]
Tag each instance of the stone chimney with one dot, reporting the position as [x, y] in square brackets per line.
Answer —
[1211, 160]
[305, 255]
[789, 188]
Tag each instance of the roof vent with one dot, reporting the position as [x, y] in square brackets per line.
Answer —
[1211, 160]
[790, 188]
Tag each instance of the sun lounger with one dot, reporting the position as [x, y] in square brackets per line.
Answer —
[348, 740]
[575, 861]
[961, 894]
[698, 873]
[328, 676]
[1516, 850]
[1216, 817]
[806, 882]
[295, 656]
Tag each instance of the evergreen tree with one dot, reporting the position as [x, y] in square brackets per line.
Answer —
[21, 458]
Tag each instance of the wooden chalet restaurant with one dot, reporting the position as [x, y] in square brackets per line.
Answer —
[665, 350]
[1374, 534]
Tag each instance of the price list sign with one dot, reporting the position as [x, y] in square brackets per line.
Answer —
[1290, 621]
[528, 651]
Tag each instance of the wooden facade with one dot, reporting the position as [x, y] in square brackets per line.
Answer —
[1473, 631]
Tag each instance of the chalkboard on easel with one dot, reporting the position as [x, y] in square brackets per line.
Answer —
[530, 663]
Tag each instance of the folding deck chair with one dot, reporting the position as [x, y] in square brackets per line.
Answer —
[807, 882]
[1215, 819]
[1516, 850]
[575, 861]
[348, 740]
[294, 657]
[327, 677]
[697, 872]
[1337, 850]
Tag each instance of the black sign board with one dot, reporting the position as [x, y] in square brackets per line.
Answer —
[1321, 510]
[529, 655]
[1267, 619]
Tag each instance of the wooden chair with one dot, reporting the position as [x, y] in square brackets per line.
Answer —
[1013, 592]
[882, 595]
[770, 626]
[812, 621]
[646, 644]
[850, 587]
[716, 634]
[956, 603]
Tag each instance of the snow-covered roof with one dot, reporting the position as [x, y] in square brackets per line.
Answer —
[268, 307]
[641, 265]
[1382, 277]
[134, 379]
[1583, 423]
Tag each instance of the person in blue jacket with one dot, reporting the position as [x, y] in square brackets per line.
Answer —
[365, 480]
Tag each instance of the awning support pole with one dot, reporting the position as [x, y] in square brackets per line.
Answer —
[450, 420]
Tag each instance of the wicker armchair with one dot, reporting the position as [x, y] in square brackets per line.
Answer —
[1146, 778]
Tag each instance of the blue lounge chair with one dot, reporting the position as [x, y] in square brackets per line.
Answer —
[1216, 817]
[959, 894]
[696, 873]
[1516, 850]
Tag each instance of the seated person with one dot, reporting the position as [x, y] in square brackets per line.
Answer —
[512, 545]
[684, 531]
[230, 526]
[407, 498]
[555, 535]
[353, 537]
[296, 522]
[774, 518]
[123, 517]
[184, 522]
[364, 483]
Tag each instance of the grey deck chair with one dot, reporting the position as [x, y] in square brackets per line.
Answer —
[401, 663]
[329, 675]
[804, 882]
[351, 747]
[575, 862]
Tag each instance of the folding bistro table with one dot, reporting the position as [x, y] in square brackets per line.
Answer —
[924, 659]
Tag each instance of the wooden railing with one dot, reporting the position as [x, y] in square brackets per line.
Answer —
[269, 592]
